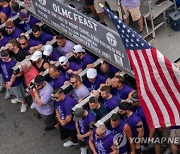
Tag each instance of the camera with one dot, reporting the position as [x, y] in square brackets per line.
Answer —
[16, 70]
[30, 87]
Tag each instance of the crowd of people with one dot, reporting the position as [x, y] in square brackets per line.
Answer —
[33, 55]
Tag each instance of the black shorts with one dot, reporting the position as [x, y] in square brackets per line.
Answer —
[89, 2]
[65, 133]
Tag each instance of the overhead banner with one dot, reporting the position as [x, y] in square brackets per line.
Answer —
[97, 38]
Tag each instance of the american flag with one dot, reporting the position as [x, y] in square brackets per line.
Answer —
[157, 79]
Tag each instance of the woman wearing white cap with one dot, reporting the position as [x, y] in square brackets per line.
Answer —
[39, 63]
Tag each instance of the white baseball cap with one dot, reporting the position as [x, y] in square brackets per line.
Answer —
[36, 55]
[48, 49]
[63, 60]
[91, 73]
[78, 48]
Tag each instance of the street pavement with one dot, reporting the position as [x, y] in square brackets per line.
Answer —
[24, 133]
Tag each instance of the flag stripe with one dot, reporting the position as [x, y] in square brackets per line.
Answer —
[155, 100]
[142, 89]
[156, 77]
[170, 90]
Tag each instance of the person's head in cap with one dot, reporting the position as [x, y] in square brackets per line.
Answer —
[125, 108]
[39, 82]
[63, 61]
[37, 55]
[78, 51]
[54, 71]
[79, 113]
[9, 27]
[115, 120]
[106, 92]
[48, 49]
[24, 15]
[5, 55]
[92, 74]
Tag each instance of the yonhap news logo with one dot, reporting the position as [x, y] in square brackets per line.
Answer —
[120, 140]
[43, 2]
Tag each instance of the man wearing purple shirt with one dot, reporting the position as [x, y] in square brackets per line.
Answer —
[11, 30]
[108, 100]
[57, 77]
[80, 91]
[82, 58]
[28, 45]
[50, 55]
[5, 10]
[40, 36]
[26, 20]
[120, 89]
[64, 46]
[13, 84]
[101, 141]
[14, 9]
[84, 125]
[134, 121]
[63, 107]
[43, 102]
[93, 80]
[3, 39]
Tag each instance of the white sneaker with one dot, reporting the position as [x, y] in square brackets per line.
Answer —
[14, 101]
[32, 105]
[83, 150]
[69, 143]
[23, 108]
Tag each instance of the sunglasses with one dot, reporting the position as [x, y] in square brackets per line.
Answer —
[10, 27]
[4, 56]
[64, 65]
[100, 135]
[75, 54]
[38, 85]
[73, 82]
[23, 43]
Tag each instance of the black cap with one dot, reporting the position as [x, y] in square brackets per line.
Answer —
[78, 114]
[134, 97]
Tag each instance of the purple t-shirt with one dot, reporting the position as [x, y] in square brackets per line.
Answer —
[53, 57]
[65, 109]
[123, 92]
[31, 43]
[110, 104]
[133, 120]
[7, 72]
[73, 66]
[87, 59]
[58, 82]
[84, 124]
[95, 85]
[12, 14]
[44, 37]
[6, 10]
[67, 48]
[3, 41]
[120, 130]
[25, 26]
[103, 145]
[45, 95]
[139, 111]
[131, 4]
[81, 92]
[15, 34]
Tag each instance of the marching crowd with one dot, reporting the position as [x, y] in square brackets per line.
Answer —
[33, 55]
